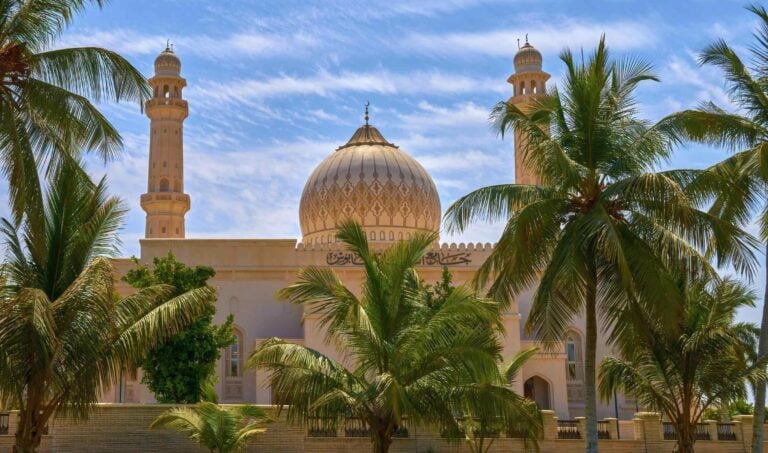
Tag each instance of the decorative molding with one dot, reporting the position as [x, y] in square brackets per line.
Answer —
[429, 259]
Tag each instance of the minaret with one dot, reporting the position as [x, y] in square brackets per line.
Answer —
[528, 81]
[165, 201]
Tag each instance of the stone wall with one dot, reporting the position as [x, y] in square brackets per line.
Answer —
[119, 428]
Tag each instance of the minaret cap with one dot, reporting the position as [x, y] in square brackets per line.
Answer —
[167, 63]
[527, 59]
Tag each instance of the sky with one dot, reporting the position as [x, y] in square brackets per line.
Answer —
[274, 86]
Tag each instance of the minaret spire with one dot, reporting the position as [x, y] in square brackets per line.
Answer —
[367, 104]
[165, 201]
[528, 82]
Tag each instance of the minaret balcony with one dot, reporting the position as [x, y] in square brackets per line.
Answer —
[169, 202]
[159, 104]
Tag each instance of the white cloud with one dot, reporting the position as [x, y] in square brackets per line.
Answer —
[549, 38]
[325, 83]
[465, 114]
[705, 82]
[246, 43]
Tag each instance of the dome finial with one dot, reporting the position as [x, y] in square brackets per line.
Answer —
[167, 45]
[367, 103]
[526, 38]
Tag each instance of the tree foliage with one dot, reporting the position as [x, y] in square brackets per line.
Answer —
[220, 429]
[740, 189]
[480, 417]
[46, 109]
[408, 360]
[603, 232]
[177, 370]
[64, 336]
[702, 360]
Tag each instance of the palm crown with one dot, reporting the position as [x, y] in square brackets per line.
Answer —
[220, 429]
[45, 93]
[63, 334]
[410, 356]
[737, 187]
[703, 360]
[602, 230]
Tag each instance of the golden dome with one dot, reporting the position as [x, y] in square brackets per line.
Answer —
[527, 58]
[373, 182]
[167, 63]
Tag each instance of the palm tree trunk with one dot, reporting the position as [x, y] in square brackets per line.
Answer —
[762, 349]
[381, 440]
[684, 438]
[590, 359]
[28, 433]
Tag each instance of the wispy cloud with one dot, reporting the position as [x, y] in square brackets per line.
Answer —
[548, 38]
[326, 83]
[705, 83]
[243, 43]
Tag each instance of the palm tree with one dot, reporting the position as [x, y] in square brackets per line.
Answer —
[483, 420]
[410, 354]
[63, 334]
[699, 363]
[601, 230]
[45, 93]
[744, 176]
[220, 429]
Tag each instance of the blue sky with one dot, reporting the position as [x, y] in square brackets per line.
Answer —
[275, 86]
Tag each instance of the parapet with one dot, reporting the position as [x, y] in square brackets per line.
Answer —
[444, 247]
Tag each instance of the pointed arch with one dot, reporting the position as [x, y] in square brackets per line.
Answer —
[538, 388]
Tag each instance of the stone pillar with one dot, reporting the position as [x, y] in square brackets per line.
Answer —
[744, 431]
[737, 430]
[582, 422]
[648, 428]
[613, 427]
[13, 422]
[550, 424]
[712, 428]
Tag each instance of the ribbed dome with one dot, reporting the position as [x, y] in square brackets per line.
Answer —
[373, 182]
[167, 64]
[527, 58]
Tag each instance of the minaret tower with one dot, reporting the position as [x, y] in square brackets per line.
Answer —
[165, 201]
[528, 82]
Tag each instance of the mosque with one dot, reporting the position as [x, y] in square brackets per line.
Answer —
[368, 179]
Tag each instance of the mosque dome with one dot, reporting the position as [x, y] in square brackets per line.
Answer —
[167, 63]
[527, 58]
[373, 182]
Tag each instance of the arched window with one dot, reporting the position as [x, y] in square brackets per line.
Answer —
[166, 91]
[372, 235]
[537, 389]
[391, 235]
[233, 358]
[164, 185]
[522, 87]
[573, 368]
[533, 86]
[381, 236]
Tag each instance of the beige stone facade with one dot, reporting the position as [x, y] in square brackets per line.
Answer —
[367, 179]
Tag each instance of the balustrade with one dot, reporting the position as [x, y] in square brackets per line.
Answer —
[568, 429]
